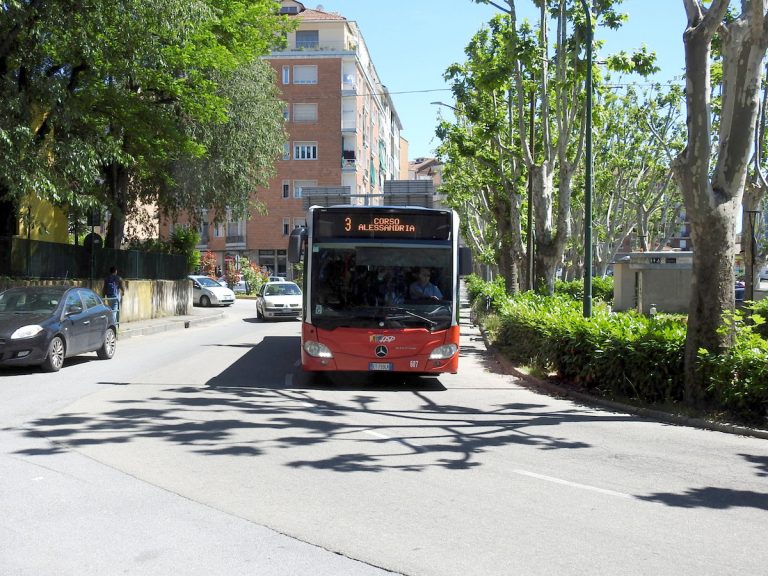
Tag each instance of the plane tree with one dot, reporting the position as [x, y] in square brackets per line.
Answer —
[712, 174]
[550, 72]
[483, 176]
[637, 137]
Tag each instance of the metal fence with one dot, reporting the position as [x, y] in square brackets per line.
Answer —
[23, 258]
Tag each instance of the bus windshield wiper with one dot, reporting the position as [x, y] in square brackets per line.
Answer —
[404, 313]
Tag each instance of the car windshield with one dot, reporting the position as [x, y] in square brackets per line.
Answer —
[282, 289]
[208, 282]
[22, 301]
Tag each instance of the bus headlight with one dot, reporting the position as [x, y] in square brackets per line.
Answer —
[317, 350]
[443, 352]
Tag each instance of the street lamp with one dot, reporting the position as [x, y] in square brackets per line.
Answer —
[588, 172]
[438, 103]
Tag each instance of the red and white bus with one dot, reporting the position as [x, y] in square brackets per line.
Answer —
[381, 289]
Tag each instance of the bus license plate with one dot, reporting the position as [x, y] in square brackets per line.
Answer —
[380, 366]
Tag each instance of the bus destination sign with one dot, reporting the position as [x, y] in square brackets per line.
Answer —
[380, 224]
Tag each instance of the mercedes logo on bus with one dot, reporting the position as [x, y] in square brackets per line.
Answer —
[381, 351]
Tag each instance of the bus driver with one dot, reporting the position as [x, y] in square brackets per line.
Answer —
[422, 288]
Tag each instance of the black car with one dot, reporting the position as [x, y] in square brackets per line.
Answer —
[46, 324]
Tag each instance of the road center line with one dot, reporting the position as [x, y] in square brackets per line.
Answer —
[573, 484]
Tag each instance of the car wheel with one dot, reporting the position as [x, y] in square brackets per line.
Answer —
[205, 301]
[54, 360]
[109, 346]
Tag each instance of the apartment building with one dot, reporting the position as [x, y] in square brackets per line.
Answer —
[343, 132]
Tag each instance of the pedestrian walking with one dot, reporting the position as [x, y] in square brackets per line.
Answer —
[113, 290]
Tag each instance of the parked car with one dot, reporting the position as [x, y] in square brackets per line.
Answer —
[740, 289]
[207, 292]
[43, 325]
[241, 287]
[278, 300]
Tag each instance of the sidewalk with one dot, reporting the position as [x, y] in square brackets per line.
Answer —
[154, 325]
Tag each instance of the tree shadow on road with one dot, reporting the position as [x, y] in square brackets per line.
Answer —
[262, 402]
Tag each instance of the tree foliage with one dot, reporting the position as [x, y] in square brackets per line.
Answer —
[99, 97]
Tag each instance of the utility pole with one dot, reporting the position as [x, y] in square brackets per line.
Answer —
[588, 172]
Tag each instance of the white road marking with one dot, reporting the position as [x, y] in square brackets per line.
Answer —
[410, 444]
[573, 484]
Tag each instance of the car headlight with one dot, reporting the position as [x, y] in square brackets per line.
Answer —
[27, 332]
[317, 350]
[443, 352]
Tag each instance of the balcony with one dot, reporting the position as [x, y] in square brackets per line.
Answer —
[348, 122]
[235, 239]
[319, 46]
[348, 160]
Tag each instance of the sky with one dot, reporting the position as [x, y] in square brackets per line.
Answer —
[412, 42]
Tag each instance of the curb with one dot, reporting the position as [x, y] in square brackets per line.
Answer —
[143, 328]
[587, 399]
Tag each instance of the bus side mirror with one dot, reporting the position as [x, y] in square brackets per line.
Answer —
[465, 261]
[296, 242]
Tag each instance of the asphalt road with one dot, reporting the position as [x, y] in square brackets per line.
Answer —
[208, 451]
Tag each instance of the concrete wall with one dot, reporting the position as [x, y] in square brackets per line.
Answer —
[663, 279]
[143, 300]
[659, 278]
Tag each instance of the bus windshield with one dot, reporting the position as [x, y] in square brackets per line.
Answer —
[384, 286]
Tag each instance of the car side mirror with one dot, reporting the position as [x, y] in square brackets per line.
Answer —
[74, 309]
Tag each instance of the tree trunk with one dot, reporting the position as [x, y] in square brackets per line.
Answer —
[546, 254]
[712, 293]
[117, 178]
[509, 254]
[712, 196]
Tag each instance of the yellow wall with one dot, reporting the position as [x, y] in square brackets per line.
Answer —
[48, 222]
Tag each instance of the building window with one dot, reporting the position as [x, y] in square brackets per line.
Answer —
[286, 226]
[305, 74]
[305, 151]
[286, 151]
[286, 74]
[286, 188]
[305, 112]
[307, 38]
[299, 185]
[287, 113]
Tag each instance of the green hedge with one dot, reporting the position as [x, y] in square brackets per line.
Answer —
[624, 354]
[602, 289]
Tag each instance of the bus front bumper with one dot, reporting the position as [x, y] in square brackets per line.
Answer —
[363, 350]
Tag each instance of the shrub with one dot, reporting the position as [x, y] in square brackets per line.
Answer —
[602, 289]
[183, 241]
[607, 352]
[738, 377]
[485, 297]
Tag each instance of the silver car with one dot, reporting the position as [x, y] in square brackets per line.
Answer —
[278, 300]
